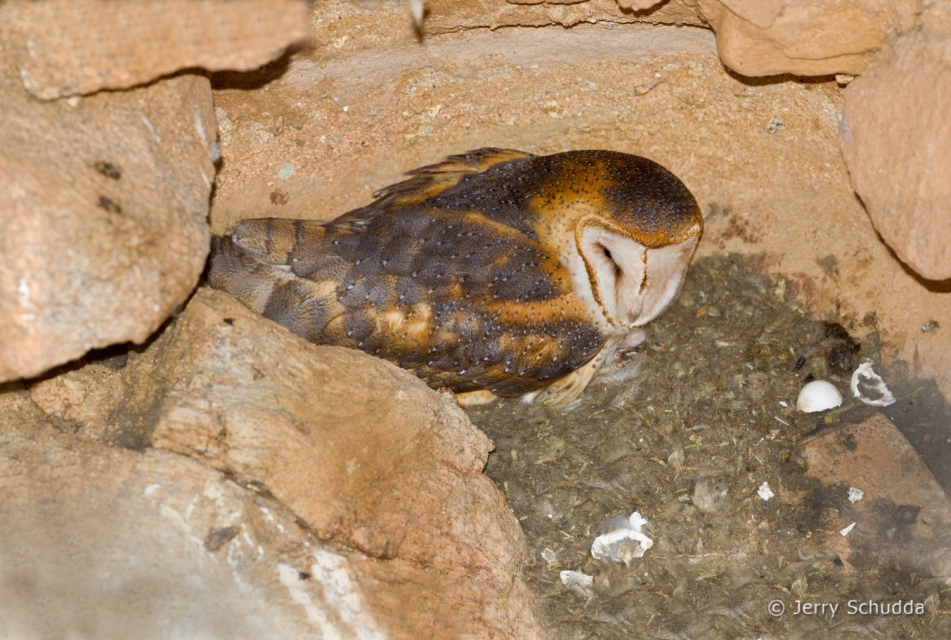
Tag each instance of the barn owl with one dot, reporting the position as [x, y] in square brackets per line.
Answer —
[493, 273]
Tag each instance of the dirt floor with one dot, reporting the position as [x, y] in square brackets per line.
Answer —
[685, 431]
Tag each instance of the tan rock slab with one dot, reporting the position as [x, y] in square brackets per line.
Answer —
[904, 516]
[103, 542]
[638, 5]
[447, 16]
[343, 26]
[70, 47]
[103, 203]
[803, 37]
[363, 454]
[352, 121]
[896, 139]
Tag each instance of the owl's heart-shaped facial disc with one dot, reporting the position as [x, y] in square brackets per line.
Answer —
[632, 283]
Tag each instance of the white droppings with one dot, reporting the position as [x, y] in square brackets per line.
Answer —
[148, 124]
[340, 595]
[578, 582]
[417, 9]
[175, 518]
[199, 125]
[23, 291]
[234, 558]
[855, 495]
[765, 492]
[290, 578]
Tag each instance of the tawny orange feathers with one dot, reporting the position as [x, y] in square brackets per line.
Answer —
[494, 270]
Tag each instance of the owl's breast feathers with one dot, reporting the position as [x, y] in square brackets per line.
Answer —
[457, 274]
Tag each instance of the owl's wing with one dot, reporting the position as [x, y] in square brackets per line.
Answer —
[431, 180]
[442, 274]
[281, 241]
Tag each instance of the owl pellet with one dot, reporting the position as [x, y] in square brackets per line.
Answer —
[624, 544]
[578, 582]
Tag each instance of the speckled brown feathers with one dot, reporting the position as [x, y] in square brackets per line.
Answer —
[468, 272]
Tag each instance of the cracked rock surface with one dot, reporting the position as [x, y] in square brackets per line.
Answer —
[361, 459]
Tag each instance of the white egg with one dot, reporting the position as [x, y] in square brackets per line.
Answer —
[818, 395]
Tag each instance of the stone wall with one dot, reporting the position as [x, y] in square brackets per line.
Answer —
[218, 453]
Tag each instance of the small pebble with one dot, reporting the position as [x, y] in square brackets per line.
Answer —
[286, 171]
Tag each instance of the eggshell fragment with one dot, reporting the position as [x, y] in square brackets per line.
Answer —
[865, 376]
[818, 395]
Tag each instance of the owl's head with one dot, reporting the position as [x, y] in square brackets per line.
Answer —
[636, 244]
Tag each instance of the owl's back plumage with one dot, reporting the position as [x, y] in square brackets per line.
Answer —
[468, 273]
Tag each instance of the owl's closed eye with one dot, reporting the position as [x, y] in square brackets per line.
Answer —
[494, 271]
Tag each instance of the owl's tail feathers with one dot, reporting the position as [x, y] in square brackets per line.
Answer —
[278, 240]
[236, 270]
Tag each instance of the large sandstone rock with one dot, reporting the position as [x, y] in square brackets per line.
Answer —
[69, 47]
[103, 203]
[904, 515]
[896, 138]
[362, 453]
[102, 542]
[346, 25]
[803, 37]
[445, 16]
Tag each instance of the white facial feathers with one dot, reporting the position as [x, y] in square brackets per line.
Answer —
[631, 283]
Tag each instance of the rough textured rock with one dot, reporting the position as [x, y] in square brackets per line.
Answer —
[904, 516]
[155, 545]
[803, 37]
[447, 16]
[342, 26]
[69, 47]
[362, 453]
[316, 137]
[103, 203]
[896, 139]
[638, 5]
